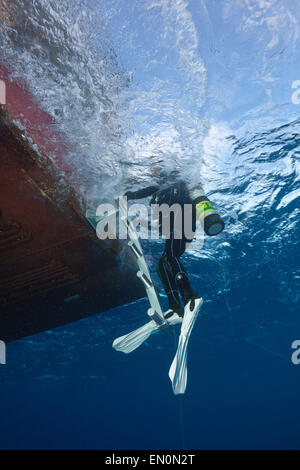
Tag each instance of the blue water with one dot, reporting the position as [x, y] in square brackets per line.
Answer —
[209, 94]
[68, 388]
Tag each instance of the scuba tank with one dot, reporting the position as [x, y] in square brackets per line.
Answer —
[208, 216]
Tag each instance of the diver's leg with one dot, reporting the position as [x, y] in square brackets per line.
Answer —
[173, 275]
[166, 275]
[179, 273]
[171, 272]
[178, 248]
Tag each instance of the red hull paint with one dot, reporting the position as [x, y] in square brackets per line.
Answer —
[40, 126]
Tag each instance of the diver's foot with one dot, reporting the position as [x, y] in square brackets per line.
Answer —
[192, 300]
[177, 309]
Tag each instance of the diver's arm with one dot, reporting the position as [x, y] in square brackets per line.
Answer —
[141, 193]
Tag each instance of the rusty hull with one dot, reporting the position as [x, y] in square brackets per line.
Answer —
[53, 268]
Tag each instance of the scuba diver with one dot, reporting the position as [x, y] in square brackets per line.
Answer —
[185, 202]
[170, 269]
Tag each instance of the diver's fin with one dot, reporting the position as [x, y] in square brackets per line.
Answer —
[133, 340]
[178, 369]
[99, 222]
[143, 269]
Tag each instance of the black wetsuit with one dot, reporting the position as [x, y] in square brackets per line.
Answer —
[171, 272]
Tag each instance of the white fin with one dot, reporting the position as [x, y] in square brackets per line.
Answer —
[133, 340]
[173, 319]
[178, 369]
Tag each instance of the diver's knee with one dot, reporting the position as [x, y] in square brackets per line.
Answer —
[180, 278]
